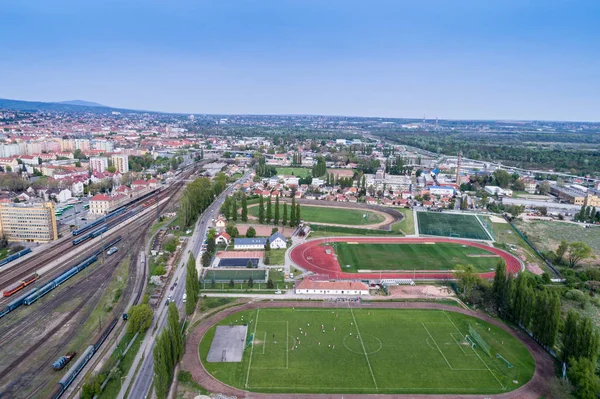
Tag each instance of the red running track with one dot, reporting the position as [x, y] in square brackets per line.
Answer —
[312, 256]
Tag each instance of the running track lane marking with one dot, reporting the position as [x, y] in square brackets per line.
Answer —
[364, 350]
[252, 348]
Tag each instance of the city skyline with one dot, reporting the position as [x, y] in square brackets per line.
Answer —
[508, 61]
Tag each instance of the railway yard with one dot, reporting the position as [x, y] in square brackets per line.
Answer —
[66, 319]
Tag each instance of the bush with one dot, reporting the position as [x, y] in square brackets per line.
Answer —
[576, 295]
[170, 244]
[159, 270]
[184, 376]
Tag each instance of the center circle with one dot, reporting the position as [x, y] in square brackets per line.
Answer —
[371, 343]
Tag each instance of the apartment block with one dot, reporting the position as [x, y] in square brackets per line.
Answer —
[121, 162]
[24, 222]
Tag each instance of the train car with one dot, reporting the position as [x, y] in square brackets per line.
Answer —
[46, 288]
[101, 230]
[62, 361]
[81, 239]
[65, 276]
[14, 256]
[86, 263]
[77, 367]
[20, 285]
[18, 302]
[112, 243]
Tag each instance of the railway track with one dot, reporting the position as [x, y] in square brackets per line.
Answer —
[89, 290]
[30, 266]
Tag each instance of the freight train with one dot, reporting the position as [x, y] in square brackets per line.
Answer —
[12, 257]
[83, 360]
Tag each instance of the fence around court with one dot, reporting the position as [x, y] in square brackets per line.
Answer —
[237, 275]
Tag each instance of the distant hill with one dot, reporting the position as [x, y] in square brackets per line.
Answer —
[65, 106]
[81, 103]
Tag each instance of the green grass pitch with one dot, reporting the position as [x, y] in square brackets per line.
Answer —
[451, 225]
[397, 351]
[300, 172]
[438, 256]
[321, 214]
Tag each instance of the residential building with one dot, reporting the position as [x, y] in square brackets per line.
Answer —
[592, 197]
[24, 222]
[530, 185]
[9, 150]
[121, 162]
[223, 238]
[308, 286]
[442, 190]
[277, 241]
[103, 145]
[98, 164]
[100, 204]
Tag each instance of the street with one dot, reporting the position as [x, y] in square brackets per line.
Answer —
[143, 380]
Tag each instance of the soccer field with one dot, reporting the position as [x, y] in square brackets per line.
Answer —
[438, 256]
[370, 351]
[320, 214]
[451, 225]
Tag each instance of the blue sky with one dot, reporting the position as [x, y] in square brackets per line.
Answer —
[400, 58]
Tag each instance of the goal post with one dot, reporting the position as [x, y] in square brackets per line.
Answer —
[482, 344]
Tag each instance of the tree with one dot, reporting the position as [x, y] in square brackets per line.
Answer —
[174, 328]
[274, 230]
[561, 251]
[231, 283]
[226, 208]
[192, 285]
[244, 209]
[261, 210]
[583, 375]
[276, 217]
[249, 265]
[544, 188]
[211, 245]
[499, 288]
[232, 230]
[569, 336]
[267, 245]
[577, 252]
[284, 218]
[206, 259]
[502, 177]
[140, 318]
[251, 232]
[162, 365]
[297, 215]
[250, 282]
[270, 284]
[269, 212]
[267, 260]
[293, 213]
[467, 278]
[234, 210]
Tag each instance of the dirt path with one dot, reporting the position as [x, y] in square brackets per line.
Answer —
[535, 388]
[388, 219]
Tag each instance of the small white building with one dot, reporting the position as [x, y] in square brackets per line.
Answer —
[442, 190]
[495, 190]
[223, 238]
[277, 241]
[249, 243]
[307, 286]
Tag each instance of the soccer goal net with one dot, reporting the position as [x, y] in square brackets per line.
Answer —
[474, 335]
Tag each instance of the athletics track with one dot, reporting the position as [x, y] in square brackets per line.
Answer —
[313, 256]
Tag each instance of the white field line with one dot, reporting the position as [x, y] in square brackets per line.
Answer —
[437, 346]
[484, 363]
[364, 350]
[252, 348]
[287, 349]
[264, 343]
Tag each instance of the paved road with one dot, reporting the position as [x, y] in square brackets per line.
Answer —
[143, 380]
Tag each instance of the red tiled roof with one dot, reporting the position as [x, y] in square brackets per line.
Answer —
[331, 285]
[100, 197]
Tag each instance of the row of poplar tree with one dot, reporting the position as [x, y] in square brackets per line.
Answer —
[268, 216]
[538, 310]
